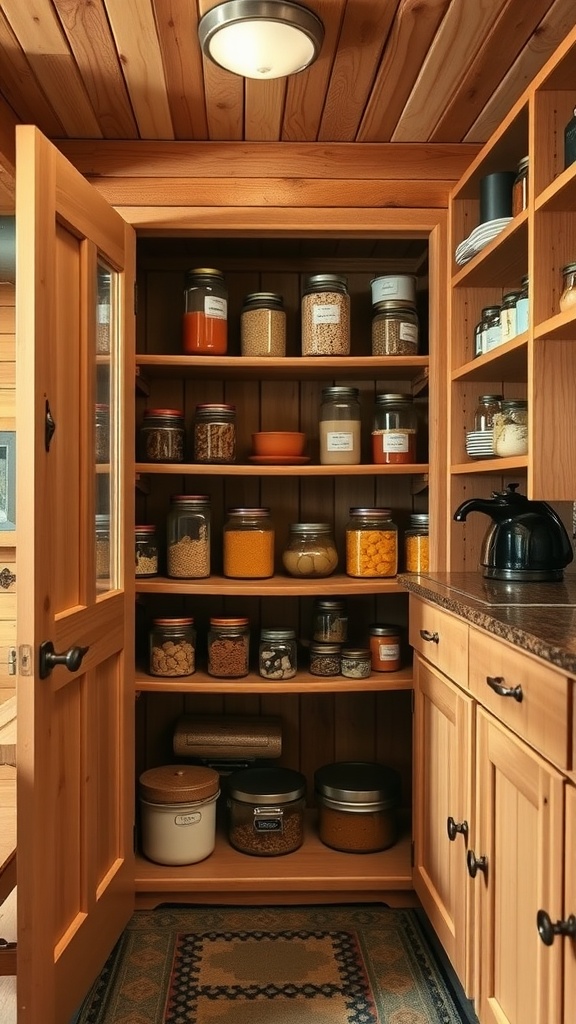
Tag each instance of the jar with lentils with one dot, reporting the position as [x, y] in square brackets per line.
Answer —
[146, 551]
[263, 325]
[228, 647]
[395, 329]
[162, 436]
[172, 647]
[188, 536]
[371, 543]
[326, 316]
[277, 655]
[215, 433]
[248, 544]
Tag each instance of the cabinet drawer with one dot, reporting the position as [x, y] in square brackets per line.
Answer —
[539, 707]
[439, 637]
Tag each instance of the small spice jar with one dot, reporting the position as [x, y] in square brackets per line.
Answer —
[340, 426]
[248, 544]
[325, 659]
[263, 325]
[172, 647]
[102, 433]
[162, 435]
[484, 412]
[568, 296]
[520, 188]
[311, 550]
[326, 316]
[277, 654]
[266, 811]
[146, 551]
[394, 431]
[385, 651]
[417, 544]
[102, 547]
[329, 621]
[228, 648]
[511, 429]
[205, 319]
[395, 329]
[508, 327]
[188, 537]
[357, 806]
[355, 662]
[522, 307]
[371, 543]
[178, 805]
[215, 433]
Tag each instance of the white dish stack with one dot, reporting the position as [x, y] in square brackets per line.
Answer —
[479, 444]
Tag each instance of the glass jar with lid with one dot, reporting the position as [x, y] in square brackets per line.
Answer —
[568, 296]
[325, 316]
[385, 648]
[215, 433]
[395, 329]
[266, 811]
[263, 325]
[277, 654]
[329, 621]
[311, 550]
[520, 188]
[248, 544]
[417, 543]
[394, 431]
[570, 140]
[340, 426]
[484, 412]
[371, 543]
[146, 551]
[511, 429]
[522, 309]
[325, 659]
[188, 536]
[172, 647]
[102, 547]
[491, 329]
[508, 328]
[355, 662]
[162, 435]
[205, 318]
[228, 647]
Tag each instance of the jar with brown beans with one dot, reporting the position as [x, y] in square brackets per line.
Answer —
[188, 536]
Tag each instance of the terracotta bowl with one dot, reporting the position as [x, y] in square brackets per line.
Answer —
[278, 442]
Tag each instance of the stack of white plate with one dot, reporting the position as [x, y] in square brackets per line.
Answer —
[479, 444]
[478, 238]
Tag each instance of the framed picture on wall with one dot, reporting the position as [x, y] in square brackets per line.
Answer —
[7, 480]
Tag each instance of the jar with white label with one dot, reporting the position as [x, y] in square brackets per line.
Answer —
[326, 316]
[492, 328]
[385, 648]
[508, 329]
[522, 317]
[266, 810]
[394, 430]
[394, 329]
[205, 317]
[340, 426]
[178, 805]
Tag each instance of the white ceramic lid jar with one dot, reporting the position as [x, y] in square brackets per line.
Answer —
[178, 810]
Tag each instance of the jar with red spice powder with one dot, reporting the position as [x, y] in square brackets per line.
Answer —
[394, 430]
[205, 319]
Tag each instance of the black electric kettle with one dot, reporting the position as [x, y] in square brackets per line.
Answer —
[526, 541]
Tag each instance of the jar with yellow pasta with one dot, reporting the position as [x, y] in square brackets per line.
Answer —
[417, 544]
[371, 543]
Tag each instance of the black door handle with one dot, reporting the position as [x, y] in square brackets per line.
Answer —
[72, 658]
[454, 827]
[547, 929]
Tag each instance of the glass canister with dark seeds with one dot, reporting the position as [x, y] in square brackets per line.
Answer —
[325, 659]
[266, 810]
[162, 435]
[215, 433]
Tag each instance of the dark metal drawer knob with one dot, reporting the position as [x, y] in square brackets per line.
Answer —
[476, 864]
[455, 827]
[547, 929]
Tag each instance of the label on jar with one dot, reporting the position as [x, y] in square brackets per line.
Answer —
[188, 819]
[326, 313]
[395, 441]
[339, 441]
[213, 306]
[388, 652]
[408, 332]
[522, 315]
[268, 819]
[492, 337]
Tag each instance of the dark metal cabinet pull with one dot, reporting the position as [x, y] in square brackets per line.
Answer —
[547, 929]
[455, 827]
[497, 684]
[430, 638]
[476, 864]
[71, 659]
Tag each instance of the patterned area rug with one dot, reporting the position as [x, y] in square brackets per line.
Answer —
[273, 965]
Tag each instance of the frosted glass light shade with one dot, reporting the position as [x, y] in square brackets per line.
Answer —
[261, 38]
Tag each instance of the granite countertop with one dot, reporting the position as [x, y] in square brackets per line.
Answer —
[537, 617]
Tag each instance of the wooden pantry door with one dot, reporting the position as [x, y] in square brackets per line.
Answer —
[75, 795]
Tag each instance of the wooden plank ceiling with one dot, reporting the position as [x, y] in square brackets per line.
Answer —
[406, 71]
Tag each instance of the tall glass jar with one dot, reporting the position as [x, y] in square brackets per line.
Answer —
[205, 319]
[162, 436]
[311, 550]
[188, 536]
[326, 316]
[492, 328]
[371, 543]
[508, 329]
[340, 427]
[263, 325]
[329, 621]
[228, 647]
[172, 647]
[522, 314]
[215, 433]
[484, 413]
[395, 329]
[248, 544]
[146, 551]
[511, 429]
[417, 544]
[394, 431]
[277, 654]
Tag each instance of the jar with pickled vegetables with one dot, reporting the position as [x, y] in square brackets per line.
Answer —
[311, 550]
[371, 543]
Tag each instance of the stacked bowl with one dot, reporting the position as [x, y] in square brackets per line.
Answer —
[479, 444]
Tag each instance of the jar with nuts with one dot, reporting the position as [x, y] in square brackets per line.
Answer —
[188, 537]
[326, 316]
[172, 647]
[311, 550]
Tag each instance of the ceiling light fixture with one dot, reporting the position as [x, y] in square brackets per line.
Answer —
[261, 38]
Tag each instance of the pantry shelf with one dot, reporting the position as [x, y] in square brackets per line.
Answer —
[499, 466]
[275, 586]
[285, 368]
[256, 469]
[508, 362]
[304, 682]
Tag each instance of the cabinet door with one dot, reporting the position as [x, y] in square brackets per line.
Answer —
[75, 717]
[520, 835]
[569, 944]
[443, 791]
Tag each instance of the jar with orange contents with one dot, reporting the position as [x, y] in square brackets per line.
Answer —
[205, 320]
[385, 648]
[248, 544]
[371, 543]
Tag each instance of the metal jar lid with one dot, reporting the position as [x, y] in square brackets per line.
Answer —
[310, 528]
[277, 634]
[391, 399]
[376, 629]
[355, 653]
[361, 785]
[268, 786]
[324, 281]
[263, 300]
[178, 783]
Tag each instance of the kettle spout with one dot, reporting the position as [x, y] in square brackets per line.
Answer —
[474, 505]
